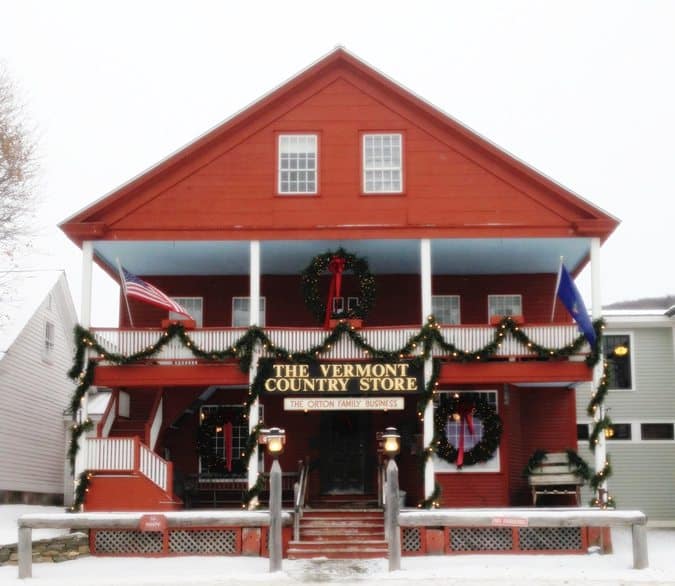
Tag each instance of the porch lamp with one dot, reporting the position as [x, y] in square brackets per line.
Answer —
[275, 439]
[391, 439]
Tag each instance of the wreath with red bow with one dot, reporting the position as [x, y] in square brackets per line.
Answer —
[463, 410]
[336, 263]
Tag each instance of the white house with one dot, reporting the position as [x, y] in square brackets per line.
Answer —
[639, 348]
[37, 317]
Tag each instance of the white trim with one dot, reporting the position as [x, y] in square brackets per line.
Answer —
[459, 308]
[494, 295]
[364, 169]
[492, 466]
[315, 170]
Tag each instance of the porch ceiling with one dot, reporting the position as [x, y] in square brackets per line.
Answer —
[467, 256]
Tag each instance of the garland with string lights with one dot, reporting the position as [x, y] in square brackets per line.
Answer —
[76, 431]
[433, 502]
[319, 264]
[485, 447]
[81, 489]
[419, 347]
[578, 466]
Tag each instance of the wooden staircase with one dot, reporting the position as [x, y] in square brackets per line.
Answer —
[340, 534]
[139, 412]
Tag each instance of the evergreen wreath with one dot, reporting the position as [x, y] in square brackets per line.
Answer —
[492, 431]
[319, 265]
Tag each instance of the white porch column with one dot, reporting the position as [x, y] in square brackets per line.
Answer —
[253, 319]
[428, 429]
[85, 322]
[596, 311]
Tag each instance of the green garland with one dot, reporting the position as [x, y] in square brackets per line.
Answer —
[76, 431]
[319, 264]
[433, 502]
[81, 489]
[253, 492]
[576, 463]
[485, 448]
[419, 348]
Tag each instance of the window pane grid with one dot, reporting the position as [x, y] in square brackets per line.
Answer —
[193, 305]
[382, 163]
[297, 163]
[499, 305]
[446, 309]
[240, 312]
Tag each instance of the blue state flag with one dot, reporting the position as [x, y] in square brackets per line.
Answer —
[571, 299]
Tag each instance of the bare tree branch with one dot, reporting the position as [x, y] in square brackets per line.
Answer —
[17, 168]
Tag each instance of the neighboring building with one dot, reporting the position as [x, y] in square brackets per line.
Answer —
[638, 345]
[37, 318]
[338, 157]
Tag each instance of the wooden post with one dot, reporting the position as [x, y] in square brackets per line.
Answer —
[640, 556]
[275, 517]
[25, 551]
[393, 530]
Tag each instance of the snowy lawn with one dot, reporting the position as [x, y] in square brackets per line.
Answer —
[502, 570]
[10, 513]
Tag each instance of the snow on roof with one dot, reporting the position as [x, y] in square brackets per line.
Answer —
[21, 294]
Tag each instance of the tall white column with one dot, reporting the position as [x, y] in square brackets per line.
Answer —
[596, 312]
[85, 322]
[254, 313]
[428, 429]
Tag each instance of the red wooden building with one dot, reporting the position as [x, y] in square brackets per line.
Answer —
[340, 158]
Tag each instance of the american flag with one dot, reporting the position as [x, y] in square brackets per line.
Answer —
[137, 288]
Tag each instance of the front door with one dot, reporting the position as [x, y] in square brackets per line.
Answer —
[344, 451]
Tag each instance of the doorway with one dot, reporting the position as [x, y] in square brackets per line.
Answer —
[346, 444]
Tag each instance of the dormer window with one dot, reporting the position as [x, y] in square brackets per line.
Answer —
[297, 164]
[382, 163]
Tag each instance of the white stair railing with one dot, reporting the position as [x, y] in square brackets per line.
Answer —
[156, 424]
[129, 455]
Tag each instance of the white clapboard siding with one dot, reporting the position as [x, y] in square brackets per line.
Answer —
[35, 391]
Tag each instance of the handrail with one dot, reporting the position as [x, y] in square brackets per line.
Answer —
[154, 424]
[300, 493]
[109, 415]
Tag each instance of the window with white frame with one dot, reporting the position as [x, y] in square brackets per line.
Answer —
[240, 312]
[382, 163]
[452, 430]
[193, 305]
[223, 437]
[50, 338]
[617, 350]
[502, 305]
[446, 309]
[297, 163]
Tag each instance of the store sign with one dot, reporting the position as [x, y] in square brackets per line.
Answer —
[342, 378]
[152, 522]
[344, 404]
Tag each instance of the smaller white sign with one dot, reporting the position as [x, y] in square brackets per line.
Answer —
[344, 404]
[509, 522]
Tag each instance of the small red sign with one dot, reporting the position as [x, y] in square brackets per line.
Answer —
[509, 522]
[152, 523]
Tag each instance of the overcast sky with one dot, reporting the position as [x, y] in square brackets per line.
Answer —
[582, 91]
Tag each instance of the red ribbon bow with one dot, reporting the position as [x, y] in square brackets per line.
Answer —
[465, 411]
[336, 266]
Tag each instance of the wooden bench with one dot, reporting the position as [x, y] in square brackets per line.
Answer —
[555, 476]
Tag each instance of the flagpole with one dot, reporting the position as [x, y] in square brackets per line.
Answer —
[124, 291]
[555, 291]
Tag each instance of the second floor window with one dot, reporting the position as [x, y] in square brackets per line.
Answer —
[502, 305]
[446, 309]
[50, 338]
[617, 350]
[240, 312]
[193, 305]
[297, 163]
[382, 163]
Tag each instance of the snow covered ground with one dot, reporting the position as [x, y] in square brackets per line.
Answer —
[489, 570]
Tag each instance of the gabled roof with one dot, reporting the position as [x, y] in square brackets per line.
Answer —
[23, 292]
[94, 221]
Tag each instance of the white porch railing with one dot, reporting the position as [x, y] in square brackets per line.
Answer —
[128, 455]
[468, 338]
